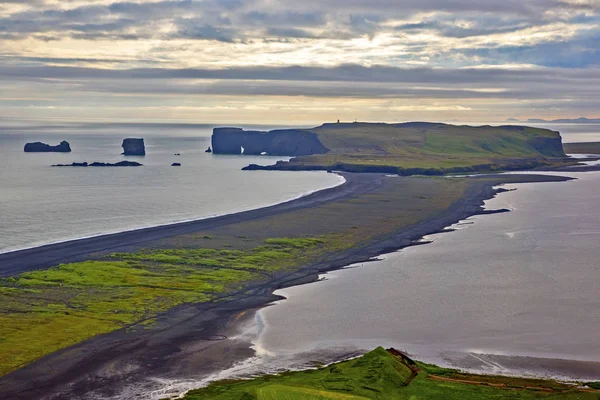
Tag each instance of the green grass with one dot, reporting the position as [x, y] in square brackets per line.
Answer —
[594, 385]
[375, 374]
[44, 311]
[382, 375]
[431, 148]
[47, 310]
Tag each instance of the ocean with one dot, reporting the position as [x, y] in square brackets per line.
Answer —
[40, 204]
[523, 283]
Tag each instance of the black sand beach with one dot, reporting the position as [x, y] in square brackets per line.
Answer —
[191, 341]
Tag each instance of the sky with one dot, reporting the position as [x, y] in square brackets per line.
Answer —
[299, 61]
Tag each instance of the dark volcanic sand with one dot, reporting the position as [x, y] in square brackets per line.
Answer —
[190, 342]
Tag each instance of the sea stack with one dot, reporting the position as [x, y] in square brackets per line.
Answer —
[39, 147]
[101, 164]
[133, 147]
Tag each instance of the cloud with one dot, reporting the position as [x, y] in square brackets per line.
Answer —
[513, 53]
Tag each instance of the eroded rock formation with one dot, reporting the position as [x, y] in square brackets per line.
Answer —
[133, 147]
[286, 142]
[101, 164]
[39, 147]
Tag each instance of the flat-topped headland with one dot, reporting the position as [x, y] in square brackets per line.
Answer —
[414, 148]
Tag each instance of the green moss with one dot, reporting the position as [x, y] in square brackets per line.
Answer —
[381, 375]
[298, 243]
[375, 373]
[72, 302]
[594, 385]
[430, 149]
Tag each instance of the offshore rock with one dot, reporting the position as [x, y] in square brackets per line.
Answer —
[133, 147]
[101, 164]
[39, 147]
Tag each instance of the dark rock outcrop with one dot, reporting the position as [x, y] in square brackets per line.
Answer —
[75, 164]
[39, 147]
[549, 147]
[133, 147]
[101, 164]
[286, 142]
[176, 164]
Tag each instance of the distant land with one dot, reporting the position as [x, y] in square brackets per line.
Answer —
[580, 120]
[414, 148]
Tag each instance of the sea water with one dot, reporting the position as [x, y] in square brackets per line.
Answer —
[523, 283]
[40, 204]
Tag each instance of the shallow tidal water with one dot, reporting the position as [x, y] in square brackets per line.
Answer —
[523, 283]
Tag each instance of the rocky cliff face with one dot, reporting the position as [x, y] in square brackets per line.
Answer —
[287, 142]
[549, 147]
[133, 147]
[39, 147]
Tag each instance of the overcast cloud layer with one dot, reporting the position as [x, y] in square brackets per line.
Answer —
[296, 61]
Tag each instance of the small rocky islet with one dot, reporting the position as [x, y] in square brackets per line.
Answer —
[133, 147]
[39, 147]
[101, 164]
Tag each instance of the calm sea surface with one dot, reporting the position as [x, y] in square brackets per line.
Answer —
[521, 283]
[40, 204]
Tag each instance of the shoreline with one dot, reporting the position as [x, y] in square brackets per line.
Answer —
[15, 262]
[190, 330]
[341, 182]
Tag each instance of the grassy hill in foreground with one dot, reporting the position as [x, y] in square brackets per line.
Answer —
[383, 374]
[421, 148]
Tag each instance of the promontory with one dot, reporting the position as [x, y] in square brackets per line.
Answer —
[414, 148]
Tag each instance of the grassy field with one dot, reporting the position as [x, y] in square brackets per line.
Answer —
[432, 147]
[43, 311]
[384, 375]
[47, 310]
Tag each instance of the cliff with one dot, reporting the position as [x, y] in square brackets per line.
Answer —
[39, 147]
[407, 148]
[549, 147]
[133, 147]
[286, 142]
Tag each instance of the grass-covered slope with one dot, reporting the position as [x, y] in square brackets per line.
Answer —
[427, 145]
[383, 374]
[429, 148]
[376, 375]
